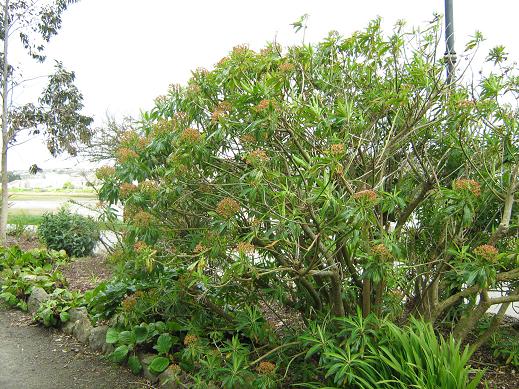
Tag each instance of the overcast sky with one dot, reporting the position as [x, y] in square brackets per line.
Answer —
[126, 52]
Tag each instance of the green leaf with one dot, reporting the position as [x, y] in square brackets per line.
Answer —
[164, 343]
[134, 364]
[120, 353]
[141, 334]
[64, 316]
[112, 336]
[127, 337]
[159, 364]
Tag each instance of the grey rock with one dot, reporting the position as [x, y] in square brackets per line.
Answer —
[77, 314]
[108, 348]
[82, 329]
[171, 378]
[68, 327]
[80, 325]
[37, 297]
[145, 360]
[97, 338]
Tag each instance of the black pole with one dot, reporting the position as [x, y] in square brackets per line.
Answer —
[450, 53]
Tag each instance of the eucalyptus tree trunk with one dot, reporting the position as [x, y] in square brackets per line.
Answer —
[5, 128]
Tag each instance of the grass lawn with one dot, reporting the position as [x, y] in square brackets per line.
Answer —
[51, 196]
[24, 218]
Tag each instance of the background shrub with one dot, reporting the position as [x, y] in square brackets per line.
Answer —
[76, 234]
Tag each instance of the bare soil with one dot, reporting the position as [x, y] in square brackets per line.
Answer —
[497, 375]
[25, 241]
[33, 357]
[86, 273]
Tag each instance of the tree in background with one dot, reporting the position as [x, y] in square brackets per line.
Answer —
[11, 176]
[56, 114]
[105, 140]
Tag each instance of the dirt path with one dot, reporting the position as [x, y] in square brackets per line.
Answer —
[32, 357]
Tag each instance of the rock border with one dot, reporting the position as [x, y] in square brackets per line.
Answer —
[80, 327]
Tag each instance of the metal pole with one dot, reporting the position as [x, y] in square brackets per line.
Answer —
[450, 53]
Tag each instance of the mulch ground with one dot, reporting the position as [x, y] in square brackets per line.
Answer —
[497, 375]
[25, 241]
[86, 273]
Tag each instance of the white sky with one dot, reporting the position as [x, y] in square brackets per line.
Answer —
[126, 52]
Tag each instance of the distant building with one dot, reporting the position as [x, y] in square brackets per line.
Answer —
[54, 179]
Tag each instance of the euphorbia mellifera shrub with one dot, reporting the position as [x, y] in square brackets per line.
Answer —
[331, 176]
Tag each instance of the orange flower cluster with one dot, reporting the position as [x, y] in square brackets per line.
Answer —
[240, 49]
[127, 189]
[466, 103]
[129, 138]
[105, 172]
[182, 169]
[129, 302]
[381, 251]
[487, 252]
[466, 184]
[194, 88]
[337, 149]
[216, 115]
[163, 127]
[227, 207]
[245, 248]
[180, 115]
[140, 246]
[129, 211]
[222, 61]
[266, 367]
[263, 105]
[190, 339]
[202, 71]
[191, 135]
[223, 108]
[142, 219]
[398, 294]
[199, 248]
[142, 143]
[174, 369]
[204, 187]
[257, 156]
[174, 88]
[286, 67]
[247, 138]
[160, 100]
[124, 154]
[271, 49]
[368, 195]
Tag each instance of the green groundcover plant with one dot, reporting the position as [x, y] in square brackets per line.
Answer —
[21, 271]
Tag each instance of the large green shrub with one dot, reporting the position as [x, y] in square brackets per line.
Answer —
[74, 233]
[329, 177]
